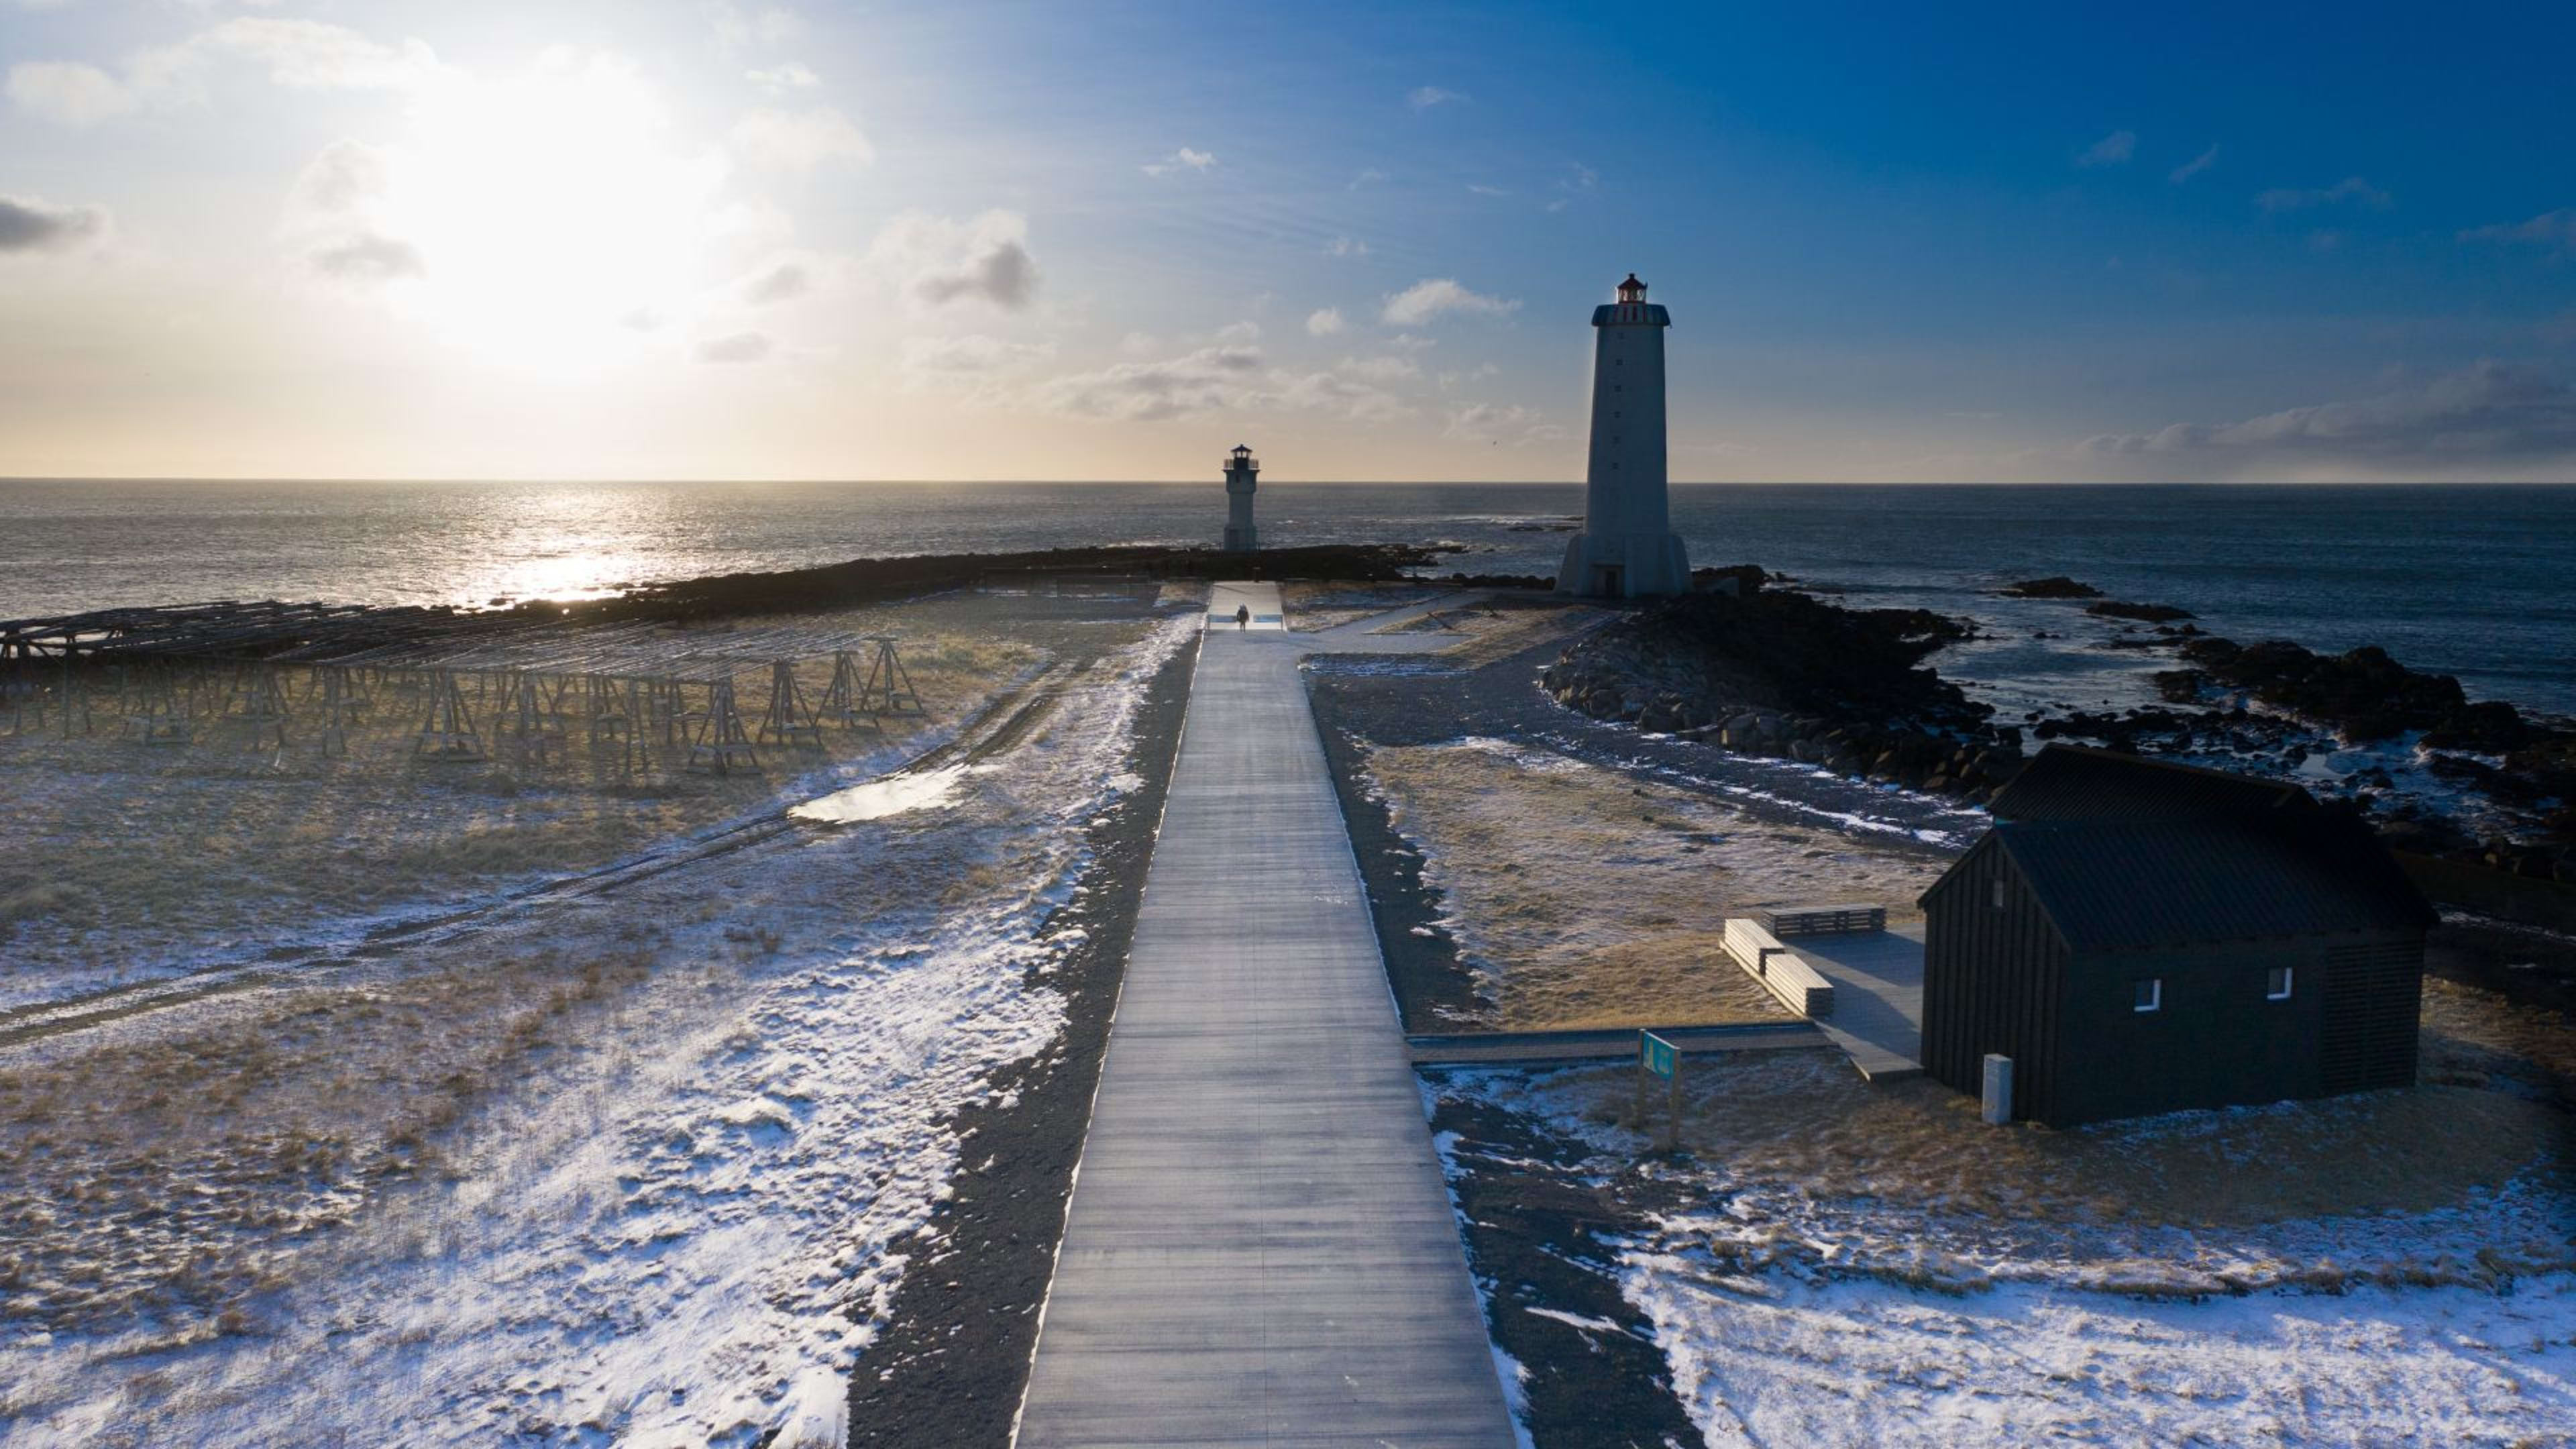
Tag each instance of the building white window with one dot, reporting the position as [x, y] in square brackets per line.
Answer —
[2276, 984]
[1999, 895]
[2147, 993]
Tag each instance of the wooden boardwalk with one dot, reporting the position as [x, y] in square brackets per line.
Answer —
[1259, 1248]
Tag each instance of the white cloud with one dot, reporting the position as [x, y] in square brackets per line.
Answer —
[1210, 379]
[1357, 399]
[1239, 332]
[936, 261]
[1515, 425]
[799, 142]
[787, 76]
[298, 54]
[367, 257]
[69, 93]
[1483, 190]
[1342, 246]
[1367, 177]
[2493, 414]
[335, 218]
[970, 355]
[1182, 160]
[2112, 150]
[739, 347]
[1407, 342]
[1324, 321]
[738, 26]
[346, 177]
[28, 225]
[1381, 369]
[1580, 180]
[784, 282]
[1423, 98]
[1427, 299]
[2193, 167]
[2556, 229]
[2351, 188]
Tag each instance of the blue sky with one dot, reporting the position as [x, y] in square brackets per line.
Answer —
[1033, 240]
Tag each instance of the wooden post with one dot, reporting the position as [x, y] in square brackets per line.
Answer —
[1673, 1107]
[1637, 1108]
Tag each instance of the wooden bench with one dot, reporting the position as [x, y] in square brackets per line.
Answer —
[1781, 971]
[1821, 920]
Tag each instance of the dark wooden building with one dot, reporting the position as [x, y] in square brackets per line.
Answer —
[2145, 937]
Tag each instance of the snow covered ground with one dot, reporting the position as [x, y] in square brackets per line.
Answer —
[1766, 1361]
[1889, 1304]
[670, 1226]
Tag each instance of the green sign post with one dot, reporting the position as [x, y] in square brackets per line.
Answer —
[1660, 1058]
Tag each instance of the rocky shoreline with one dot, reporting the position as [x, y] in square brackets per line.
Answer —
[1768, 671]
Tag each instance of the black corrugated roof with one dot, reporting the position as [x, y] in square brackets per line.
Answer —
[2066, 782]
[2113, 884]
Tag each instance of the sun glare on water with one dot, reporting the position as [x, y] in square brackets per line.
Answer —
[555, 223]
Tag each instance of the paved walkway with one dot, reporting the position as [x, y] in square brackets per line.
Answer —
[1259, 1249]
[1261, 599]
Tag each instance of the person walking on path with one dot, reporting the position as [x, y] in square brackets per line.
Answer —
[1242, 617]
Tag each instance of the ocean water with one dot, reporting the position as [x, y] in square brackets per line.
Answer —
[2474, 581]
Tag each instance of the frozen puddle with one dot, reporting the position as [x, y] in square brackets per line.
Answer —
[877, 799]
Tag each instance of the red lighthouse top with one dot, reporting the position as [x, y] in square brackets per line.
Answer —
[1632, 290]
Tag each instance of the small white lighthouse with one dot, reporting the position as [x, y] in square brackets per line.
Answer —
[1242, 470]
[1627, 548]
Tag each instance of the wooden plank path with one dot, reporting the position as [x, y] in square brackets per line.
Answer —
[1259, 1247]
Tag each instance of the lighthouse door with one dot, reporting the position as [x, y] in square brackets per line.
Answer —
[1608, 581]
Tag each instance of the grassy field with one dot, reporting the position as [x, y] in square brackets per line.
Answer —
[1586, 899]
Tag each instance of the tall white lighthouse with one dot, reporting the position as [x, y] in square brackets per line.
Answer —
[1627, 548]
[1242, 471]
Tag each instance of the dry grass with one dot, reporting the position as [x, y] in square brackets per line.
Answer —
[170, 1174]
[1591, 900]
[121, 851]
[2472, 1036]
[1481, 634]
[1806, 1118]
[1322, 604]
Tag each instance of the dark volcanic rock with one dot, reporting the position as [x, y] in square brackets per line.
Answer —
[2055, 586]
[2144, 613]
[866, 579]
[1789, 675]
[2361, 694]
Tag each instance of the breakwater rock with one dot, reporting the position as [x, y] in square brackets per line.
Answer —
[869, 579]
[1786, 675]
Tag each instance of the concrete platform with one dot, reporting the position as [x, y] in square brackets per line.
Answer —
[1259, 1248]
[1878, 996]
[1268, 612]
